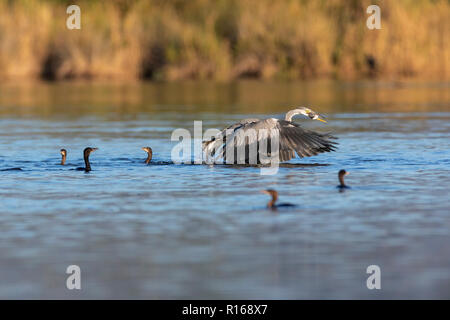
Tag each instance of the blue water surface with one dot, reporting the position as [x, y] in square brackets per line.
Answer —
[198, 231]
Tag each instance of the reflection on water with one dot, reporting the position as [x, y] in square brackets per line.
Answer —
[128, 100]
[198, 231]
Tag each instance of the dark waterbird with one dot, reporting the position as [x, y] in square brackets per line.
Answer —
[272, 203]
[63, 156]
[11, 169]
[149, 154]
[87, 151]
[250, 134]
[342, 173]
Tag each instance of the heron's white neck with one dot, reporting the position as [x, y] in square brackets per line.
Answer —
[292, 113]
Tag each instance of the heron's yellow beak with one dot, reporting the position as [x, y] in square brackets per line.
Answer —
[314, 115]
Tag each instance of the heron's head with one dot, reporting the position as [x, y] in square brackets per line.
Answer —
[147, 149]
[63, 152]
[342, 173]
[307, 112]
[89, 150]
[314, 115]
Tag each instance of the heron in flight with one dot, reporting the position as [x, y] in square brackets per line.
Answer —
[252, 135]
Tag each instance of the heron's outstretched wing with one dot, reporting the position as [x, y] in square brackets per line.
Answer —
[292, 139]
[216, 142]
[305, 142]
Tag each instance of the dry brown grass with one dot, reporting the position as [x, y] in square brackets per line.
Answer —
[224, 39]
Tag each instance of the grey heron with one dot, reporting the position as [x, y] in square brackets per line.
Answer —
[255, 134]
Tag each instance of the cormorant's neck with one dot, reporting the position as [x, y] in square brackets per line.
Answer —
[87, 167]
[341, 181]
[63, 159]
[271, 203]
[149, 158]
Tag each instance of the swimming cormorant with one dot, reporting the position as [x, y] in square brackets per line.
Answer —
[342, 173]
[63, 156]
[87, 151]
[272, 203]
[149, 154]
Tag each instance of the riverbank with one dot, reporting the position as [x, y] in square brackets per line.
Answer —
[224, 40]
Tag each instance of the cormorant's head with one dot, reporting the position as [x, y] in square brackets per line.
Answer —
[89, 150]
[343, 173]
[63, 152]
[270, 192]
[274, 195]
[147, 149]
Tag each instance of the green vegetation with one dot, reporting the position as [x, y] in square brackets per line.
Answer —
[224, 39]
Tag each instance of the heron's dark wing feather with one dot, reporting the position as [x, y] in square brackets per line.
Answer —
[305, 142]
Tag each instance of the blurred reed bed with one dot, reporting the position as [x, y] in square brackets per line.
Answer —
[224, 39]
